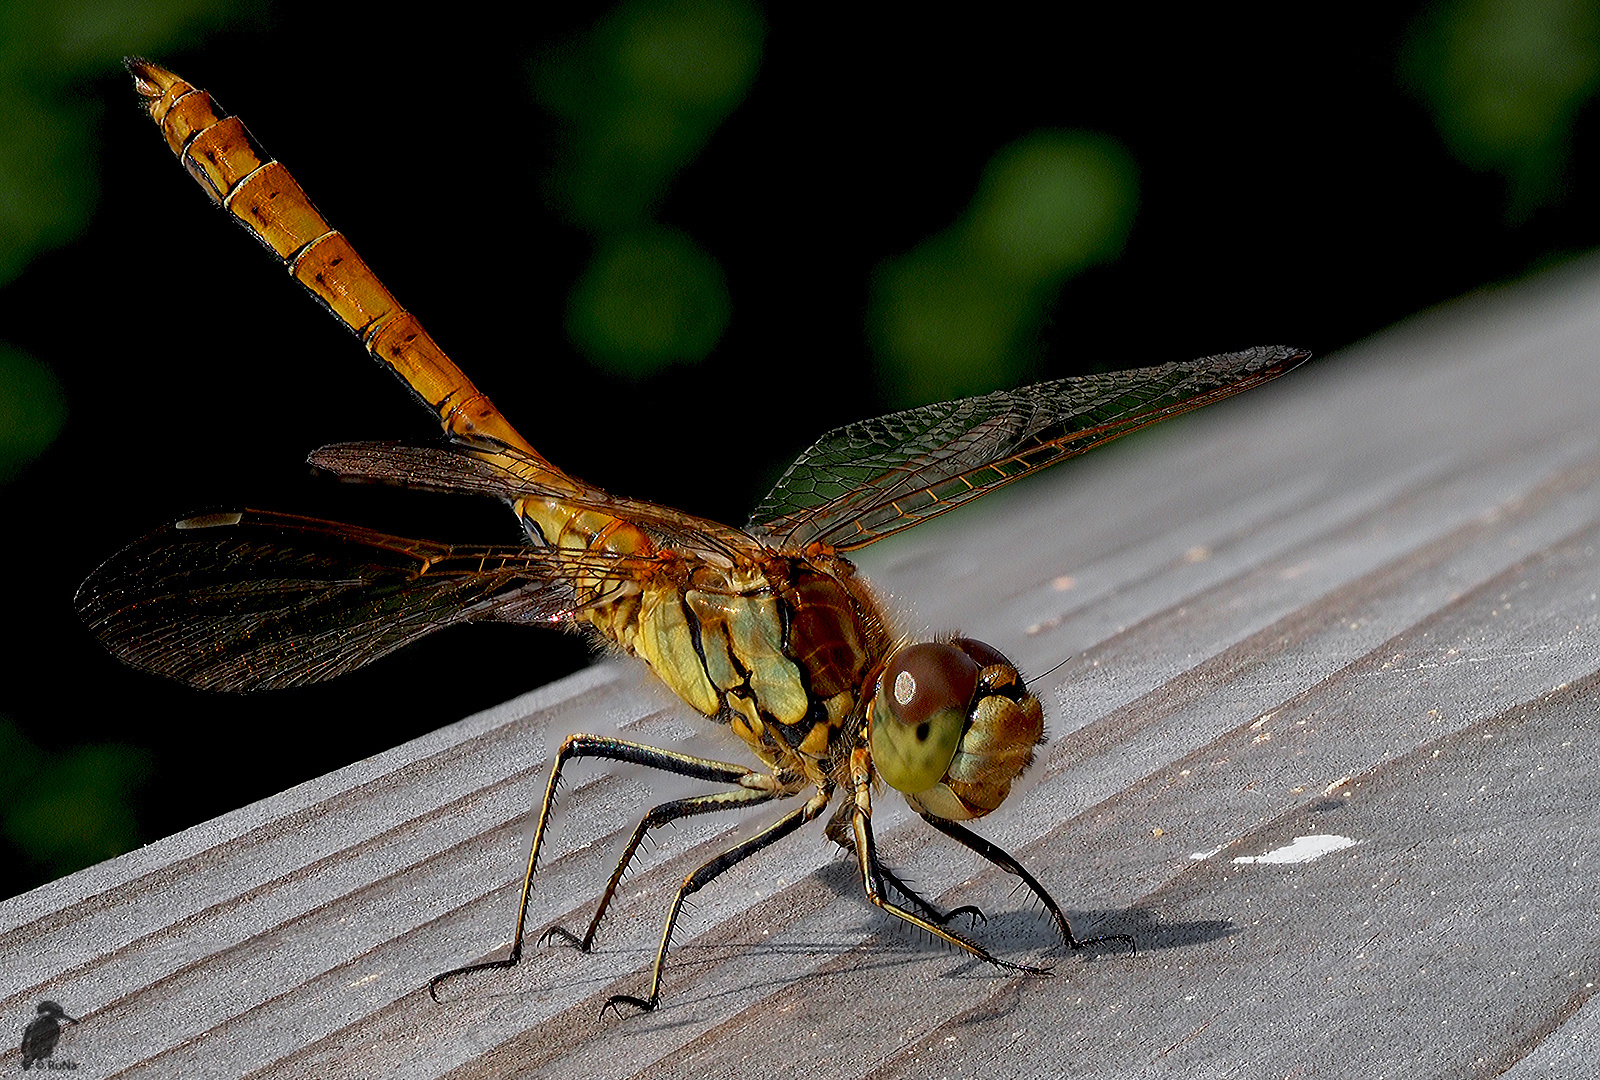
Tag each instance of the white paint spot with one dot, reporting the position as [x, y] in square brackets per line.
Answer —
[1201, 856]
[1303, 849]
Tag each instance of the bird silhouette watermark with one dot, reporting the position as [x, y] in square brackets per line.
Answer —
[41, 1035]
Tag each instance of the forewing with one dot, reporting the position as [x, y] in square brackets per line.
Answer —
[251, 600]
[503, 473]
[867, 480]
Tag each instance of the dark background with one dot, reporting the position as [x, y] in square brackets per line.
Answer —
[1294, 186]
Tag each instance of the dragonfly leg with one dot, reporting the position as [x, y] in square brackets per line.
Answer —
[874, 877]
[760, 785]
[1001, 858]
[707, 873]
[841, 832]
[661, 815]
[974, 914]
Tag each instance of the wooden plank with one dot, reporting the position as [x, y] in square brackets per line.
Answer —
[1359, 603]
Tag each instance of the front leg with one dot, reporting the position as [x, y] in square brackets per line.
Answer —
[873, 876]
[1003, 859]
[841, 832]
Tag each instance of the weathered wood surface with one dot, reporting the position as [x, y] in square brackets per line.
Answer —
[1361, 602]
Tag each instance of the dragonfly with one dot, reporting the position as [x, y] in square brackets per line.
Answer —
[766, 629]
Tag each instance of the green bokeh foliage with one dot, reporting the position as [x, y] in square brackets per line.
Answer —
[956, 315]
[65, 809]
[69, 808]
[638, 96]
[1504, 81]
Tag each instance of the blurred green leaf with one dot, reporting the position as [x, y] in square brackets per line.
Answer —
[649, 297]
[955, 316]
[1054, 203]
[944, 327]
[46, 192]
[639, 96]
[1504, 81]
[48, 167]
[61, 40]
[32, 410]
[68, 810]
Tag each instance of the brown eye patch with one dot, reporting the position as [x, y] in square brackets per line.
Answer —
[923, 679]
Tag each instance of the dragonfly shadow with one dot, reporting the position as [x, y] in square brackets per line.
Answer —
[1013, 923]
[885, 945]
[884, 948]
[1015, 928]
[1151, 934]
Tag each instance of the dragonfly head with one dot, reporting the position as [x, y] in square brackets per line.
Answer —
[952, 727]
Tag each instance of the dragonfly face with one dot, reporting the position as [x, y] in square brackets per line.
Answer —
[768, 628]
[952, 727]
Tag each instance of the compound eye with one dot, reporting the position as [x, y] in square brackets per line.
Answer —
[985, 654]
[919, 714]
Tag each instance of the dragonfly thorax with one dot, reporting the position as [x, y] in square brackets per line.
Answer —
[779, 652]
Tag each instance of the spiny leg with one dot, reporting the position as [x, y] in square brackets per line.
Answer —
[1003, 859]
[873, 876]
[660, 815]
[582, 746]
[709, 872]
[840, 831]
[973, 913]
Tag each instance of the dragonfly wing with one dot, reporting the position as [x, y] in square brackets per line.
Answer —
[504, 473]
[867, 480]
[450, 468]
[251, 600]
